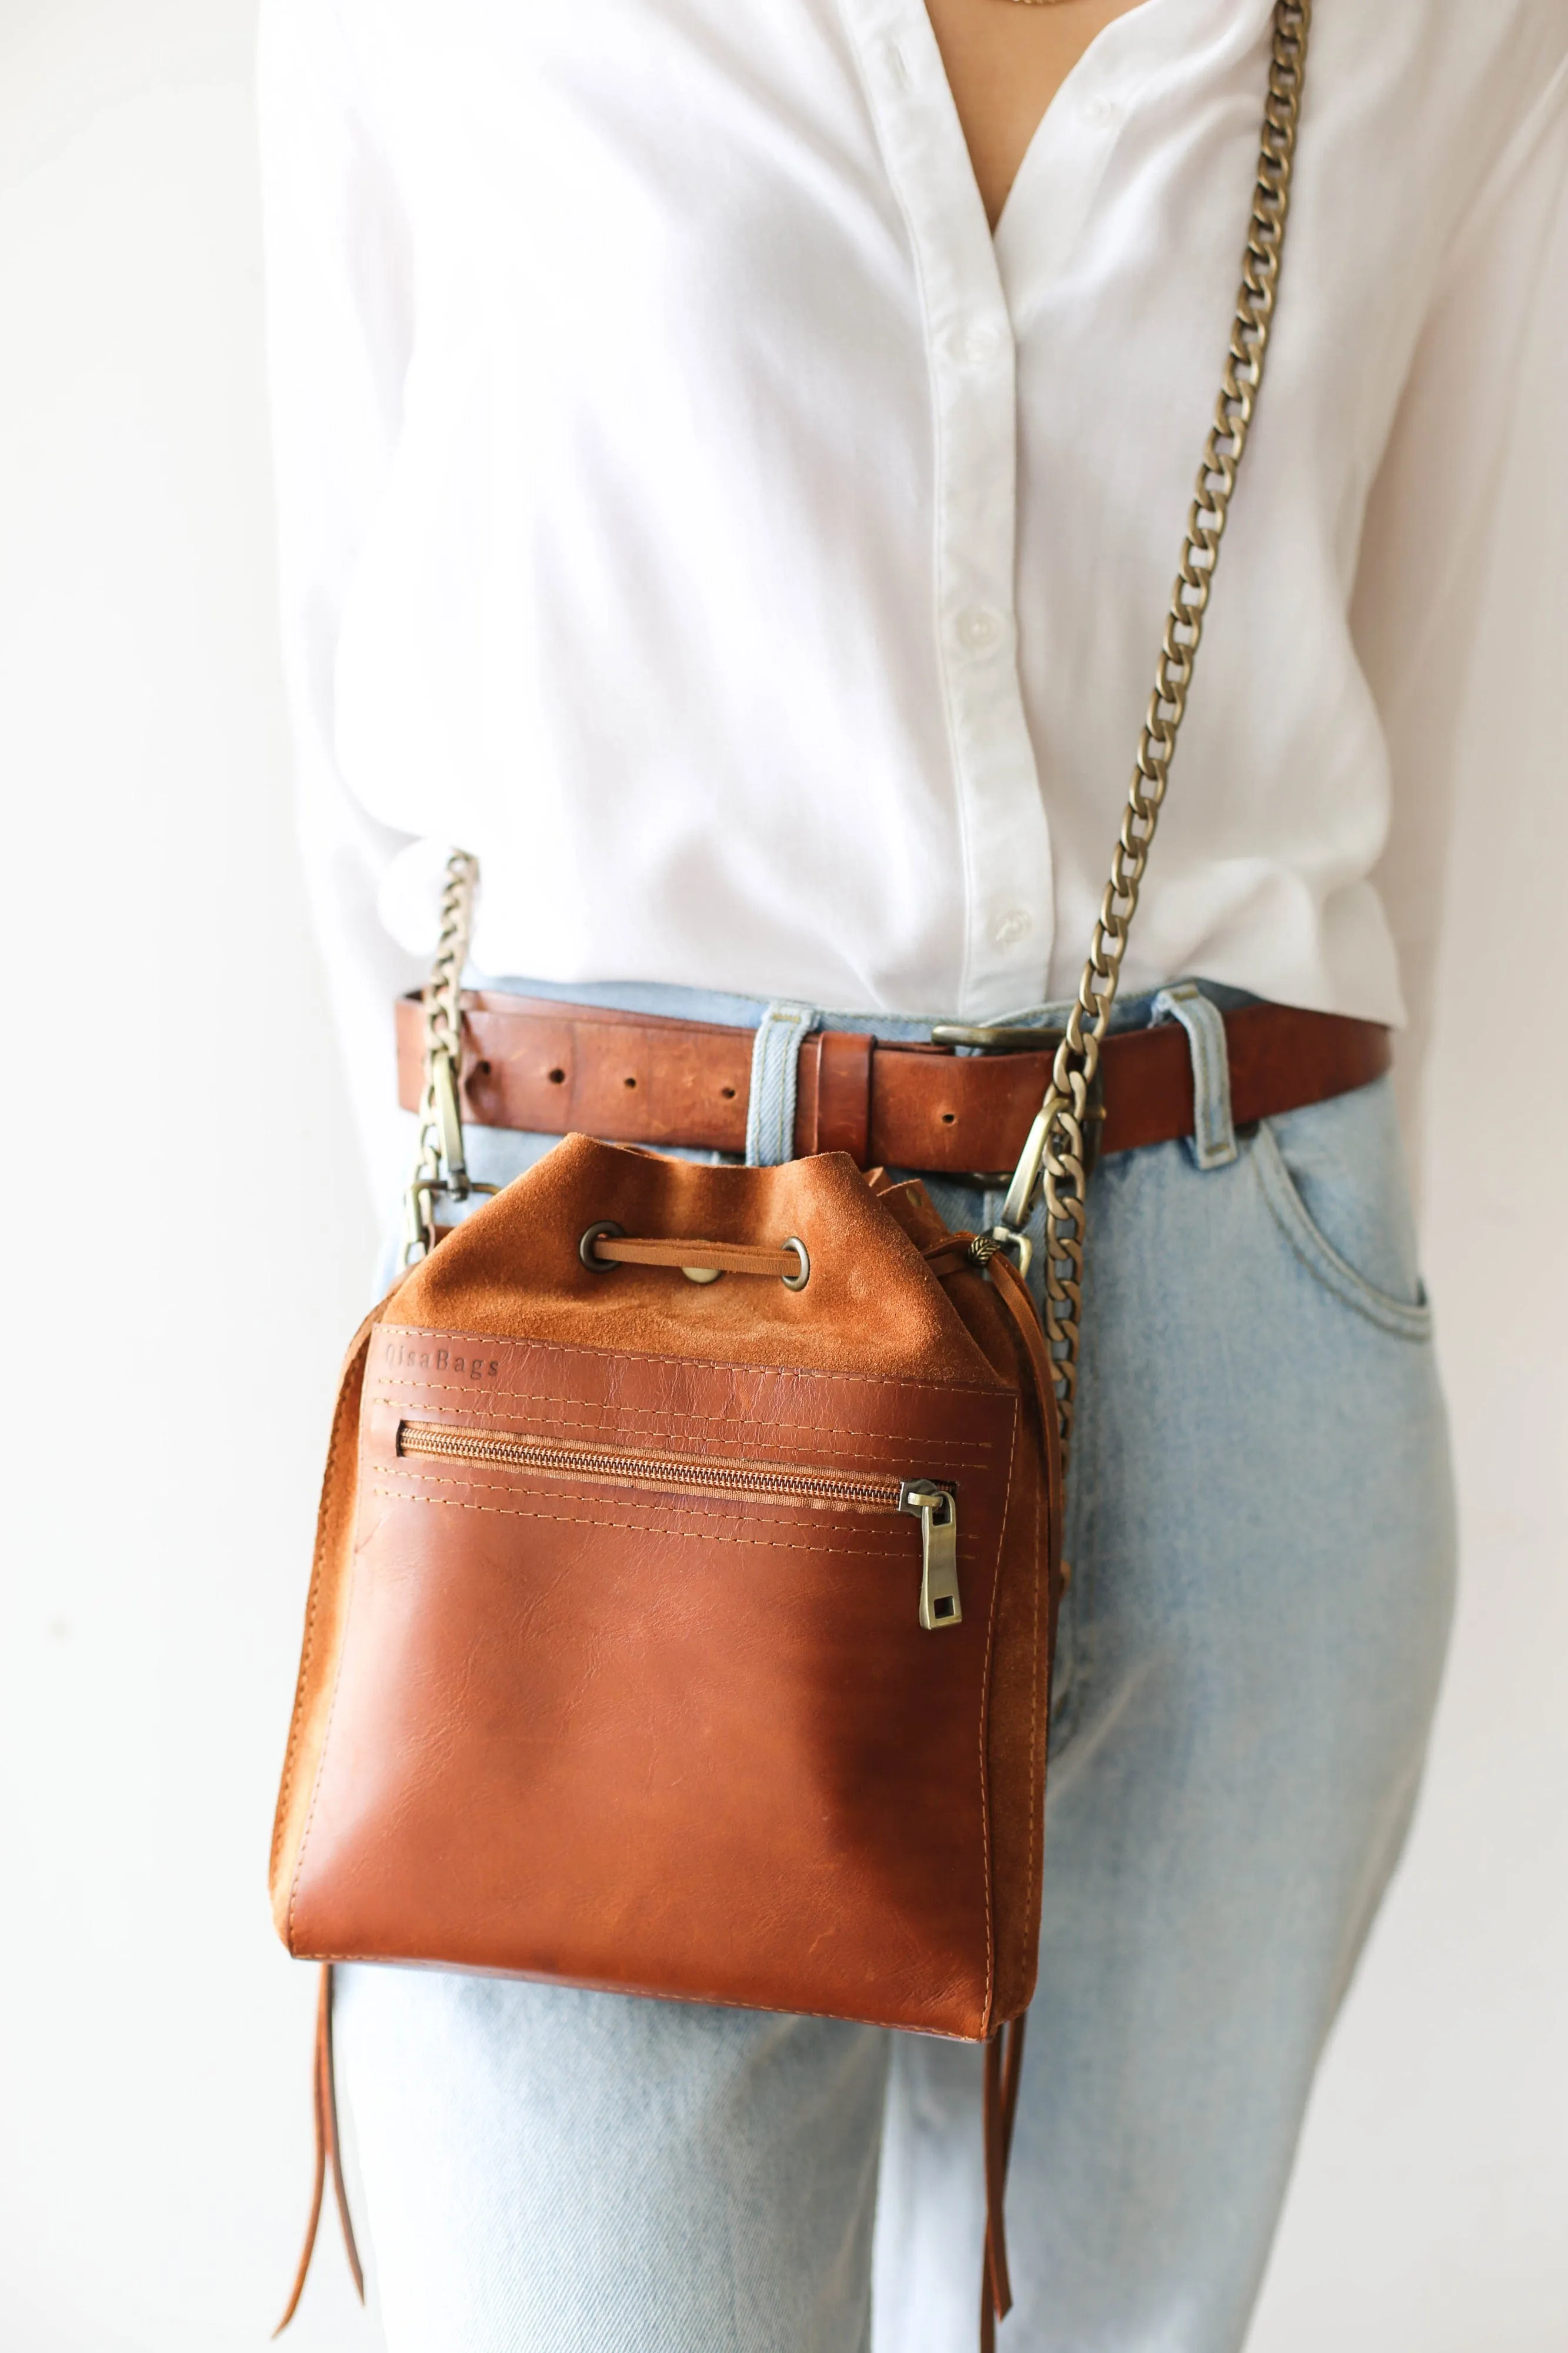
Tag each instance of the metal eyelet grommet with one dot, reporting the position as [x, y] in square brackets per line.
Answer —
[798, 1281]
[585, 1246]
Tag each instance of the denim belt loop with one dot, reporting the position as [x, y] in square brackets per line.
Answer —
[769, 1112]
[1214, 1131]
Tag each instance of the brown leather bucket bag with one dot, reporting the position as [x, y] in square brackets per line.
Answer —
[688, 1638]
[689, 1554]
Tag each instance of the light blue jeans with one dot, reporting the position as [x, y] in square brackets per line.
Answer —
[1261, 1536]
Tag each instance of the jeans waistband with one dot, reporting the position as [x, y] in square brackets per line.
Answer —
[682, 1004]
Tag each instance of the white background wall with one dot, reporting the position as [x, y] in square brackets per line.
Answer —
[187, 1241]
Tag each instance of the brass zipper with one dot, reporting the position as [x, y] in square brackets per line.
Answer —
[591, 1462]
[935, 1506]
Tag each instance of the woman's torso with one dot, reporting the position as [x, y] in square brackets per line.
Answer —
[768, 568]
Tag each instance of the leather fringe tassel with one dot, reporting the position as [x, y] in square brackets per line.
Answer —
[324, 2092]
[1003, 2066]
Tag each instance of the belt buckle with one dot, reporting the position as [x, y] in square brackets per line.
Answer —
[993, 1038]
[1009, 1039]
[1002, 1040]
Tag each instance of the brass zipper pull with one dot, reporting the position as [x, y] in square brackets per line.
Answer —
[937, 1511]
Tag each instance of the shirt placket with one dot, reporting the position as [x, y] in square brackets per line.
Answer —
[1009, 911]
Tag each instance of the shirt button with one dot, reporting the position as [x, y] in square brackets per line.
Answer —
[1098, 109]
[898, 66]
[1010, 928]
[979, 629]
[976, 345]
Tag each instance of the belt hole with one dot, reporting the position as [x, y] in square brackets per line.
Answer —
[727, 1093]
[948, 1117]
[557, 1078]
[628, 1082]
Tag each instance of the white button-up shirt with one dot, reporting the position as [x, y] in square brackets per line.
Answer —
[688, 506]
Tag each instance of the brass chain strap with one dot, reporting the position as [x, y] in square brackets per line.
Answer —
[440, 1163]
[1056, 1144]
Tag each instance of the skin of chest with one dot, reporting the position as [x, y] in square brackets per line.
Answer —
[1005, 63]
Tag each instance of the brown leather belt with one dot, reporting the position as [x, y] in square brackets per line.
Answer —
[642, 1078]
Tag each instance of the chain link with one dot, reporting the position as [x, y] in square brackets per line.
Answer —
[440, 1164]
[1059, 1138]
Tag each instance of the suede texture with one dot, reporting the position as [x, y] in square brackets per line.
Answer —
[870, 1307]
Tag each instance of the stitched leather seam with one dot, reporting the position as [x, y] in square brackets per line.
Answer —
[338, 1684]
[1036, 1827]
[632, 1528]
[994, 1390]
[485, 1392]
[985, 1729]
[326, 1741]
[973, 1452]
[291, 1754]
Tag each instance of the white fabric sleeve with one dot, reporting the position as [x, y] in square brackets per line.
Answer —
[339, 330]
[1438, 547]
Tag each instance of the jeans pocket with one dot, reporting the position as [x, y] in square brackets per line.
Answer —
[1333, 1178]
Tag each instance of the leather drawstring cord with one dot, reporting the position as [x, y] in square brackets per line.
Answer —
[324, 2093]
[604, 1250]
[1003, 2066]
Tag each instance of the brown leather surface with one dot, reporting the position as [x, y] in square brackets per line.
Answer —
[844, 1094]
[997, 1309]
[684, 1744]
[324, 1614]
[644, 1079]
